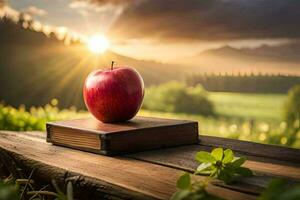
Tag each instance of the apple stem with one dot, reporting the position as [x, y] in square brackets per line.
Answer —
[112, 65]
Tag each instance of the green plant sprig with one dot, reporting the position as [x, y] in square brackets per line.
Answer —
[218, 164]
[222, 165]
[189, 190]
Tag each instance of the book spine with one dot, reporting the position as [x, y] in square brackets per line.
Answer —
[48, 138]
[105, 144]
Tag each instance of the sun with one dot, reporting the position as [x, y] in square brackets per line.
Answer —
[98, 44]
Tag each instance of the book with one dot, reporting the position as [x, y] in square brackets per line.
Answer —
[138, 134]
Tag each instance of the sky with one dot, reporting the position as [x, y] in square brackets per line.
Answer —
[163, 30]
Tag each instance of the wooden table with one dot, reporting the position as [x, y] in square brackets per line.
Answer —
[145, 175]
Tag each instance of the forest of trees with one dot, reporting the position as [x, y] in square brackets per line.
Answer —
[22, 32]
[244, 83]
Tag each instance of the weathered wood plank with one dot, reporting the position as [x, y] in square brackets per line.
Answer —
[183, 158]
[254, 149]
[261, 159]
[265, 168]
[121, 177]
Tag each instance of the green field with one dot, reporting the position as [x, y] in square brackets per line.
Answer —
[249, 106]
[251, 117]
[239, 106]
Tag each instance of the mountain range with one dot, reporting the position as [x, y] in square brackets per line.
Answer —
[283, 59]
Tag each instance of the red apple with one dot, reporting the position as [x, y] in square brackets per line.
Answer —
[114, 95]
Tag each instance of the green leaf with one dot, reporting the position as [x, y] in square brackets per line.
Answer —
[238, 162]
[9, 191]
[226, 175]
[291, 194]
[70, 191]
[203, 166]
[214, 173]
[228, 156]
[180, 195]
[274, 189]
[217, 153]
[205, 169]
[243, 171]
[206, 172]
[184, 181]
[205, 157]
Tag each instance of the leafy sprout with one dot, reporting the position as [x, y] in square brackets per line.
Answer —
[189, 190]
[217, 164]
[222, 165]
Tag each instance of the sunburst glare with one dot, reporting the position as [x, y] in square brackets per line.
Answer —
[98, 44]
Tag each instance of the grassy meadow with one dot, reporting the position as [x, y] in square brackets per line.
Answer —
[251, 117]
[249, 106]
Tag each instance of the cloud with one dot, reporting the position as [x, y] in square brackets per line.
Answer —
[79, 4]
[34, 11]
[105, 2]
[98, 16]
[83, 6]
[208, 19]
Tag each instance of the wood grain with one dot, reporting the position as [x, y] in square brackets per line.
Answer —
[252, 148]
[265, 168]
[120, 177]
[183, 158]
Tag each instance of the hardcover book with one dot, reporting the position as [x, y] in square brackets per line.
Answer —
[138, 134]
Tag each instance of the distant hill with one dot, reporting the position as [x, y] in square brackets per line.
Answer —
[265, 59]
[34, 67]
[281, 53]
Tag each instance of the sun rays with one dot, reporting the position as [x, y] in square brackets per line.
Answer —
[98, 44]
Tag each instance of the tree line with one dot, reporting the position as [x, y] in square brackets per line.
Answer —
[244, 83]
[22, 32]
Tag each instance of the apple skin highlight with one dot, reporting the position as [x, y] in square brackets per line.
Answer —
[114, 95]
